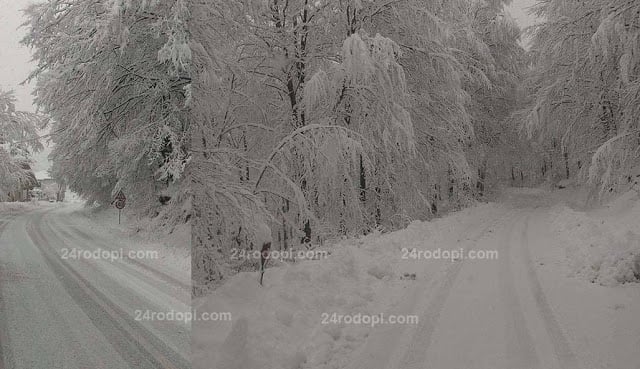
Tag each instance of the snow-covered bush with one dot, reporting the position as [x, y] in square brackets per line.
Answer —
[598, 249]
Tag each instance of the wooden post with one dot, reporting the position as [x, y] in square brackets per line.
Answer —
[264, 256]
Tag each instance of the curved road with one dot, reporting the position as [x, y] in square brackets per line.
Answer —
[82, 313]
[517, 312]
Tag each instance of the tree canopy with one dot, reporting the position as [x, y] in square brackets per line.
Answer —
[326, 118]
[114, 77]
[19, 139]
[585, 84]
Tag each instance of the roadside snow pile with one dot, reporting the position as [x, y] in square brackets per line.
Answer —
[138, 234]
[603, 246]
[280, 325]
[17, 207]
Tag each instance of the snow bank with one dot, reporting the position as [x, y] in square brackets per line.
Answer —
[18, 207]
[603, 245]
[279, 325]
[172, 244]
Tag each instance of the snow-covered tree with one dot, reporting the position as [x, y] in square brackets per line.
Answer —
[18, 141]
[585, 81]
[333, 117]
[114, 76]
[285, 149]
[498, 63]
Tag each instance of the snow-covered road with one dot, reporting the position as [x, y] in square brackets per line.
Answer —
[522, 310]
[482, 314]
[68, 301]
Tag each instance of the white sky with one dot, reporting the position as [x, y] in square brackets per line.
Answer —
[519, 11]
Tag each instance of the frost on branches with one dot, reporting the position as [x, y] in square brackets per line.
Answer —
[113, 75]
[330, 118]
[18, 140]
[587, 92]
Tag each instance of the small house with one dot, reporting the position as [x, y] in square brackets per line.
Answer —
[49, 188]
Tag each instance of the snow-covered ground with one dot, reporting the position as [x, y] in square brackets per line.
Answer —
[173, 244]
[15, 207]
[603, 245]
[78, 292]
[534, 306]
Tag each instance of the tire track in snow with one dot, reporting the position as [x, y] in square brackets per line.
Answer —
[128, 264]
[416, 355]
[5, 357]
[521, 351]
[3, 328]
[565, 356]
[132, 341]
[155, 271]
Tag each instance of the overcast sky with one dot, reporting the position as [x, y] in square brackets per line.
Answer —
[518, 10]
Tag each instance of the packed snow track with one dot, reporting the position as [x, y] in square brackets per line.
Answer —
[77, 313]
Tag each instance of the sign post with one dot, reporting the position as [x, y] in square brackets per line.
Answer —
[120, 202]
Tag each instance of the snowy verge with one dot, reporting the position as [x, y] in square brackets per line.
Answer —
[280, 325]
[174, 248]
[20, 207]
[602, 245]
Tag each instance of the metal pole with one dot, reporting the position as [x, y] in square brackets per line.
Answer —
[119, 210]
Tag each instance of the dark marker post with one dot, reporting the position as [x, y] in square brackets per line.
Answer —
[264, 256]
[120, 202]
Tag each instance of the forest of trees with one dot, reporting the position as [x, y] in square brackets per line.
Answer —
[585, 90]
[332, 118]
[327, 118]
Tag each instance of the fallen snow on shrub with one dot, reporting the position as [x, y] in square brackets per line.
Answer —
[19, 207]
[603, 246]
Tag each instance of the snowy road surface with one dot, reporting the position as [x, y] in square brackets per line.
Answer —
[483, 315]
[63, 305]
[522, 310]
[519, 312]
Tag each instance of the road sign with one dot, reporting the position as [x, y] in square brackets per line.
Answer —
[120, 202]
[120, 196]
